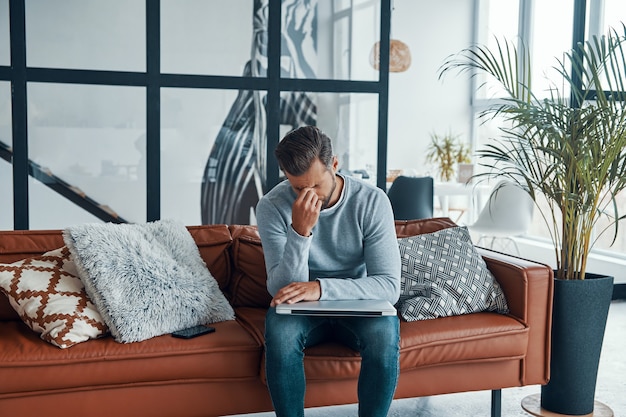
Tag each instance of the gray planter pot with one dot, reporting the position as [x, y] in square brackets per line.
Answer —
[580, 311]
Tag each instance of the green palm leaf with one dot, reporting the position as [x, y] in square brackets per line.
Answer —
[569, 149]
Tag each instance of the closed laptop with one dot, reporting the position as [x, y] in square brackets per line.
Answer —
[330, 308]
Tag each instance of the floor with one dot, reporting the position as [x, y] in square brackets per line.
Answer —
[610, 389]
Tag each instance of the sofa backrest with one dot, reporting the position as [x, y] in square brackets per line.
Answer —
[248, 281]
[233, 254]
[22, 244]
[405, 228]
[213, 242]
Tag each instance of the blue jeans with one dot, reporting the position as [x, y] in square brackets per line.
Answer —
[376, 339]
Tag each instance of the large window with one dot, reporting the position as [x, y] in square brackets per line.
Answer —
[548, 39]
[611, 16]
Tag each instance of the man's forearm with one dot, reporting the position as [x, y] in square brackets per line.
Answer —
[292, 265]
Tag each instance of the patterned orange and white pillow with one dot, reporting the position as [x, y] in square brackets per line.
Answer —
[50, 298]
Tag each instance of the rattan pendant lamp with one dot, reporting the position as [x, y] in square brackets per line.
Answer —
[399, 54]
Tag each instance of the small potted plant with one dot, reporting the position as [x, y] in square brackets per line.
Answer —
[446, 152]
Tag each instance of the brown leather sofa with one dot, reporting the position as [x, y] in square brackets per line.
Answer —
[222, 373]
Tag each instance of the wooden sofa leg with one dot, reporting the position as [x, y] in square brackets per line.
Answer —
[496, 403]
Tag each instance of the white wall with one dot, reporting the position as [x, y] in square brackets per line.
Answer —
[419, 103]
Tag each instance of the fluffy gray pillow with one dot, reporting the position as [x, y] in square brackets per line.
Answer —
[145, 279]
[444, 275]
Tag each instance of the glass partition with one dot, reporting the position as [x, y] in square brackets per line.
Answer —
[6, 190]
[191, 122]
[213, 159]
[332, 41]
[86, 34]
[6, 169]
[196, 40]
[92, 138]
[5, 38]
[49, 210]
[351, 122]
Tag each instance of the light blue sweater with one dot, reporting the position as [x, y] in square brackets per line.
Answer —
[353, 250]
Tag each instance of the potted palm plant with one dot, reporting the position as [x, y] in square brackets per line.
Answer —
[568, 149]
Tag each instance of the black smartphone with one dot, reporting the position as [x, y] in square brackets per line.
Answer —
[194, 331]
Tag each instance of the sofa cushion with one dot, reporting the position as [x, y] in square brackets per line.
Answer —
[146, 279]
[28, 365]
[443, 275]
[470, 338]
[50, 298]
[213, 242]
[248, 283]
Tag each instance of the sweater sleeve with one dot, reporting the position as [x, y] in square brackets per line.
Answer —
[286, 252]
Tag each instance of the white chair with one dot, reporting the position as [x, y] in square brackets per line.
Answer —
[508, 213]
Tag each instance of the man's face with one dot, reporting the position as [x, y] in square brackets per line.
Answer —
[319, 178]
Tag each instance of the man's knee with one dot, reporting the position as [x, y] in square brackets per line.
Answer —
[383, 336]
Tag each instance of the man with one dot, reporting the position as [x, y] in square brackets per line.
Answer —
[327, 237]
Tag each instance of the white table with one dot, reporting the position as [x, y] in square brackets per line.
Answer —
[475, 195]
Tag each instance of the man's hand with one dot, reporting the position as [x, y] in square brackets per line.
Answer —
[297, 291]
[305, 211]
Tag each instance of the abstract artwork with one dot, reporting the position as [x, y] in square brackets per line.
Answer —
[235, 174]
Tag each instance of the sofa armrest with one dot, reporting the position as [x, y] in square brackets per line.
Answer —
[528, 288]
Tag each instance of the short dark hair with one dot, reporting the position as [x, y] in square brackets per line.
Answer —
[301, 147]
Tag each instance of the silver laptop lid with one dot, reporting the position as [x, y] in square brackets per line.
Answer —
[362, 308]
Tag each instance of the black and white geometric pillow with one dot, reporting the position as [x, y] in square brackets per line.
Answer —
[444, 275]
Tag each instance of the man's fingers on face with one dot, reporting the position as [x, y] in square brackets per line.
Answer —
[308, 194]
